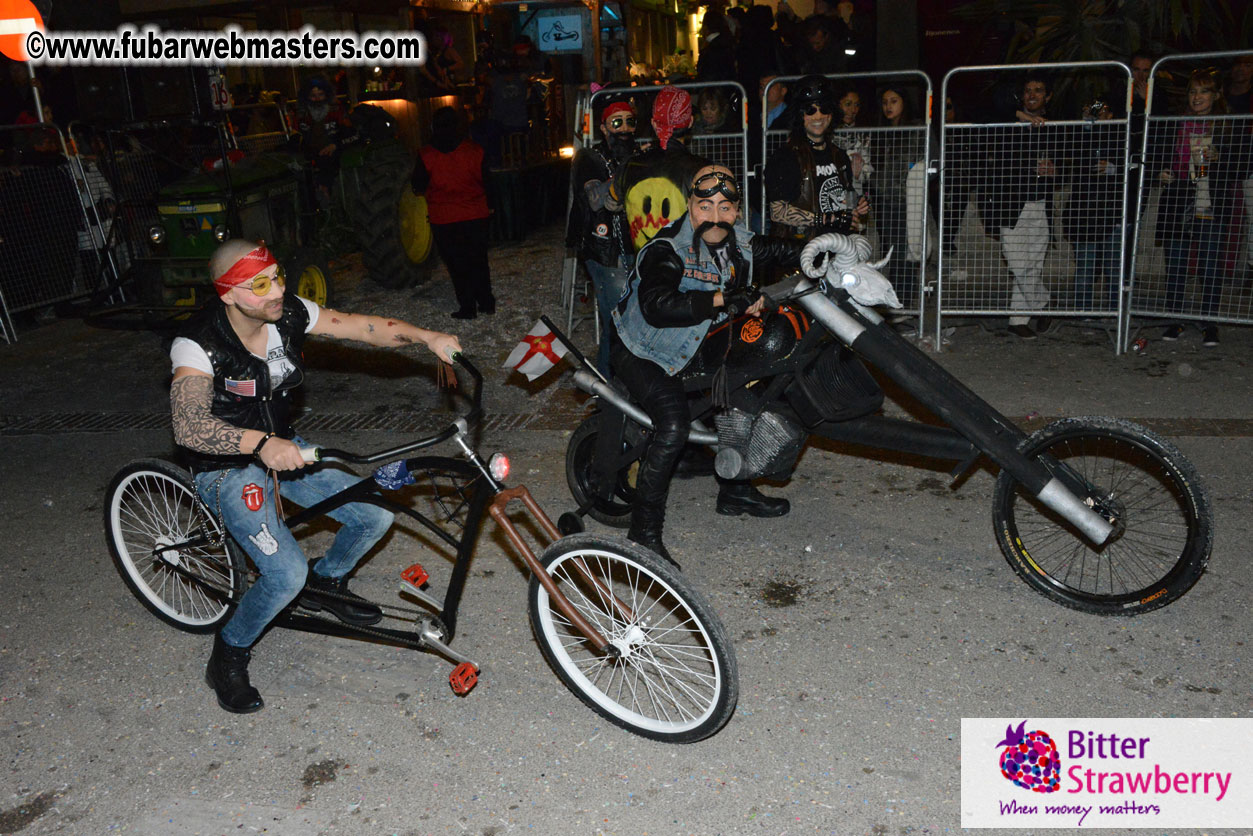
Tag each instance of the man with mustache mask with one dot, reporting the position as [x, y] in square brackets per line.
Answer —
[325, 131]
[695, 273]
[601, 237]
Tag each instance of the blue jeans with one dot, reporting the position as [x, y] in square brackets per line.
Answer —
[1206, 236]
[270, 544]
[609, 282]
[1091, 258]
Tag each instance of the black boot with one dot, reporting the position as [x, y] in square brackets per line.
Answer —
[344, 605]
[227, 675]
[646, 523]
[735, 498]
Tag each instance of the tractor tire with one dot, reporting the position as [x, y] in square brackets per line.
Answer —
[392, 226]
[309, 276]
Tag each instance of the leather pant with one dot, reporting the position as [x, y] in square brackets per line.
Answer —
[663, 398]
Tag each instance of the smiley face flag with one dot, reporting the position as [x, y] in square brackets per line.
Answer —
[538, 352]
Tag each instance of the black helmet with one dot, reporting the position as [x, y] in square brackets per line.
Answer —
[811, 89]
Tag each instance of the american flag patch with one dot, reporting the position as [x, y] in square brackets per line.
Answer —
[246, 388]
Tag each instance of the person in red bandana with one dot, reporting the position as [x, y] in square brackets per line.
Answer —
[652, 186]
[236, 365]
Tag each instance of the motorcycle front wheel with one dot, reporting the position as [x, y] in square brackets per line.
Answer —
[614, 510]
[1163, 521]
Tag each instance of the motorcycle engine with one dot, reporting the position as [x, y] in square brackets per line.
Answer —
[751, 446]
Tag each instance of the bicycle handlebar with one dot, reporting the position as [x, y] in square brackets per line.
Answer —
[460, 425]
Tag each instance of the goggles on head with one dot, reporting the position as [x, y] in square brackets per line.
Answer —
[819, 107]
[709, 184]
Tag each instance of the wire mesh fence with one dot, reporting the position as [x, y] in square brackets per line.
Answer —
[1195, 233]
[1033, 197]
[46, 234]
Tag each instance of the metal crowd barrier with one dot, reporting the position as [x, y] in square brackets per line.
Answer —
[1032, 217]
[50, 222]
[891, 170]
[1194, 259]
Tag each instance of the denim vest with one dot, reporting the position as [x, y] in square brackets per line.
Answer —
[673, 348]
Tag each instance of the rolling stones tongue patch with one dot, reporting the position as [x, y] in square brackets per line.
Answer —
[253, 496]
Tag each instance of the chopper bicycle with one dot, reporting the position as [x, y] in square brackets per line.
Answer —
[1095, 513]
[621, 628]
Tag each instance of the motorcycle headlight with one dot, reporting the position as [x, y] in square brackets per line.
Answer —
[221, 233]
[156, 234]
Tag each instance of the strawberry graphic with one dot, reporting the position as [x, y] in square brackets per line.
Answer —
[1030, 759]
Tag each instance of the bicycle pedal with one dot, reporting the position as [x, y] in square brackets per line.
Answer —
[463, 678]
[412, 580]
[415, 575]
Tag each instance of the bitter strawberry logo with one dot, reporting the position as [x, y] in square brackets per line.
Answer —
[1030, 759]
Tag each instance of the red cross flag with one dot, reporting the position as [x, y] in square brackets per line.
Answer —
[538, 352]
[18, 18]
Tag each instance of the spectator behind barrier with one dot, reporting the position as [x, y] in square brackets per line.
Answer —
[712, 112]
[894, 204]
[855, 143]
[1197, 162]
[1092, 221]
[1018, 200]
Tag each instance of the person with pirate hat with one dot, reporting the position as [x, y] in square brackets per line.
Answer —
[236, 365]
[601, 238]
[694, 275]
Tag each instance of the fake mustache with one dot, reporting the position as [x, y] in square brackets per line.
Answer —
[708, 225]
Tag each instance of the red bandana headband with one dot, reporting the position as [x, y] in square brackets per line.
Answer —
[672, 110]
[616, 107]
[248, 267]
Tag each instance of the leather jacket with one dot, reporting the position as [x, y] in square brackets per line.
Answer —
[807, 197]
[242, 390]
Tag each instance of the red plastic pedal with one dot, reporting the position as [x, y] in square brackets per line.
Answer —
[415, 575]
[463, 678]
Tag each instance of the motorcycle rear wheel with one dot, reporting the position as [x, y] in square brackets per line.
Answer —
[1164, 523]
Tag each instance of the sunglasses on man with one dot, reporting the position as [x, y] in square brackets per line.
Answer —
[825, 110]
[260, 284]
[620, 122]
[708, 185]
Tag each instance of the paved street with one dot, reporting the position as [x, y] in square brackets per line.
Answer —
[866, 623]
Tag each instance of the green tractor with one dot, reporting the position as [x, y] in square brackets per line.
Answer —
[250, 186]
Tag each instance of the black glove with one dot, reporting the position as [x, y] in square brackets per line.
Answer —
[836, 220]
[736, 302]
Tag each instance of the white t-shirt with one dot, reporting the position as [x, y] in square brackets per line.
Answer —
[185, 352]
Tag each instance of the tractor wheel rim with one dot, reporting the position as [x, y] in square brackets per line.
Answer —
[312, 284]
[415, 228]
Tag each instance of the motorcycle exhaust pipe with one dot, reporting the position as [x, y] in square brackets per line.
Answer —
[965, 412]
[595, 386]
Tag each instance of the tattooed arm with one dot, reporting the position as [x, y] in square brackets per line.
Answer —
[197, 428]
[384, 332]
[783, 212]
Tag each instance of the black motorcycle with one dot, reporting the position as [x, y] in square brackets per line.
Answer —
[1095, 513]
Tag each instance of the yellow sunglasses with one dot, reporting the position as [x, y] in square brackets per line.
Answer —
[260, 284]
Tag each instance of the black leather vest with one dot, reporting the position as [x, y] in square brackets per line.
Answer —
[242, 391]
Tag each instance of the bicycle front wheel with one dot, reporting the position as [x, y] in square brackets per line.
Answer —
[1163, 522]
[169, 549]
[672, 674]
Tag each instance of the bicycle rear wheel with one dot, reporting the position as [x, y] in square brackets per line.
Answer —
[169, 549]
[1163, 522]
[674, 676]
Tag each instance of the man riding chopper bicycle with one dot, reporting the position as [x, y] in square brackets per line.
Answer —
[692, 280]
